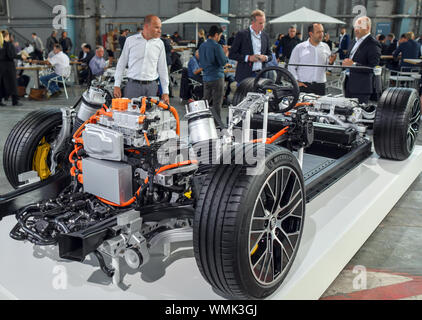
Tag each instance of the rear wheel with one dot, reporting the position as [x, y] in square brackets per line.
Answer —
[396, 124]
[28, 145]
[247, 228]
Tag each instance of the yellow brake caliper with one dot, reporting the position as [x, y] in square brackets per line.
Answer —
[39, 162]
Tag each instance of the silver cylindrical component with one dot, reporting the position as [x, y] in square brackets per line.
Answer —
[203, 134]
[92, 100]
[133, 258]
[201, 122]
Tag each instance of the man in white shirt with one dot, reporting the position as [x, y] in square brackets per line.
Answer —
[312, 52]
[145, 56]
[60, 62]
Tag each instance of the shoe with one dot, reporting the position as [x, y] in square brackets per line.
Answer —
[17, 104]
[55, 94]
[2, 104]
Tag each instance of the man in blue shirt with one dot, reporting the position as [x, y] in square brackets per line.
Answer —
[97, 63]
[194, 70]
[213, 58]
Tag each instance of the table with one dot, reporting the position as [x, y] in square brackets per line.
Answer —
[413, 61]
[181, 49]
[37, 69]
[74, 64]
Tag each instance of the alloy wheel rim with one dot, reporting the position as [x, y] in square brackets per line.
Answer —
[413, 128]
[276, 225]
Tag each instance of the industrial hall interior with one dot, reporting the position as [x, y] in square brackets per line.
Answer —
[210, 150]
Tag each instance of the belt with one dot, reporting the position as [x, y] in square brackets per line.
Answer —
[143, 81]
[312, 82]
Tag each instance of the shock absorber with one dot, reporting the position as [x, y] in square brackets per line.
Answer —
[203, 134]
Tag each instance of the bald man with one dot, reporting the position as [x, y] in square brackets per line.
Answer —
[145, 55]
[365, 50]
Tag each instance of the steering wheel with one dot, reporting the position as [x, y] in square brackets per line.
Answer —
[285, 89]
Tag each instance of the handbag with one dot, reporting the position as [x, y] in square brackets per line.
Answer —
[38, 94]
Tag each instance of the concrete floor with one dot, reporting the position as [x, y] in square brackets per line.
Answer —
[388, 265]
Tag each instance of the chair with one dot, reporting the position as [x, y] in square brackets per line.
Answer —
[190, 88]
[62, 80]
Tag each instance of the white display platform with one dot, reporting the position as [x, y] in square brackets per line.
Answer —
[338, 222]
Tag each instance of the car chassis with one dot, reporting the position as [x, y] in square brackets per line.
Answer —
[177, 203]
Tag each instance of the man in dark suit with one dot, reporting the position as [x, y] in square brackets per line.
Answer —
[287, 44]
[86, 57]
[409, 49]
[251, 48]
[364, 51]
[344, 43]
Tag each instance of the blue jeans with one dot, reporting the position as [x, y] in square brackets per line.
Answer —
[53, 85]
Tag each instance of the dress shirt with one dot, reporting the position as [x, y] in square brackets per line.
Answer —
[146, 61]
[306, 53]
[357, 44]
[256, 45]
[97, 65]
[212, 59]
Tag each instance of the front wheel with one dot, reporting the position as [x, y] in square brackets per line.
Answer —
[28, 145]
[247, 228]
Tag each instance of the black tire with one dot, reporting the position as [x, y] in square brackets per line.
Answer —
[247, 85]
[23, 140]
[227, 212]
[396, 124]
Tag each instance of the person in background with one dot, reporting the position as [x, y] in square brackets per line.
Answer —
[38, 47]
[85, 60]
[167, 46]
[17, 47]
[60, 61]
[213, 58]
[408, 49]
[176, 37]
[328, 41]
[194, 69]
[110, 46]
[122, 38]
[365, 51]
[343, 44]
[231, 39]
[66, 43]
[392, 43]
[145, 67]
[277, 41]
[287, 44]
[312, 51]
[299, 36]
[229, 78]
[222, 40]
[82, 53]
[51, 41]
[251, 48]
[98, 65]
[8, 83]
[382, 39]
[201, 38]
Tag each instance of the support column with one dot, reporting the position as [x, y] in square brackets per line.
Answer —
[224, 9]
[70, 6]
